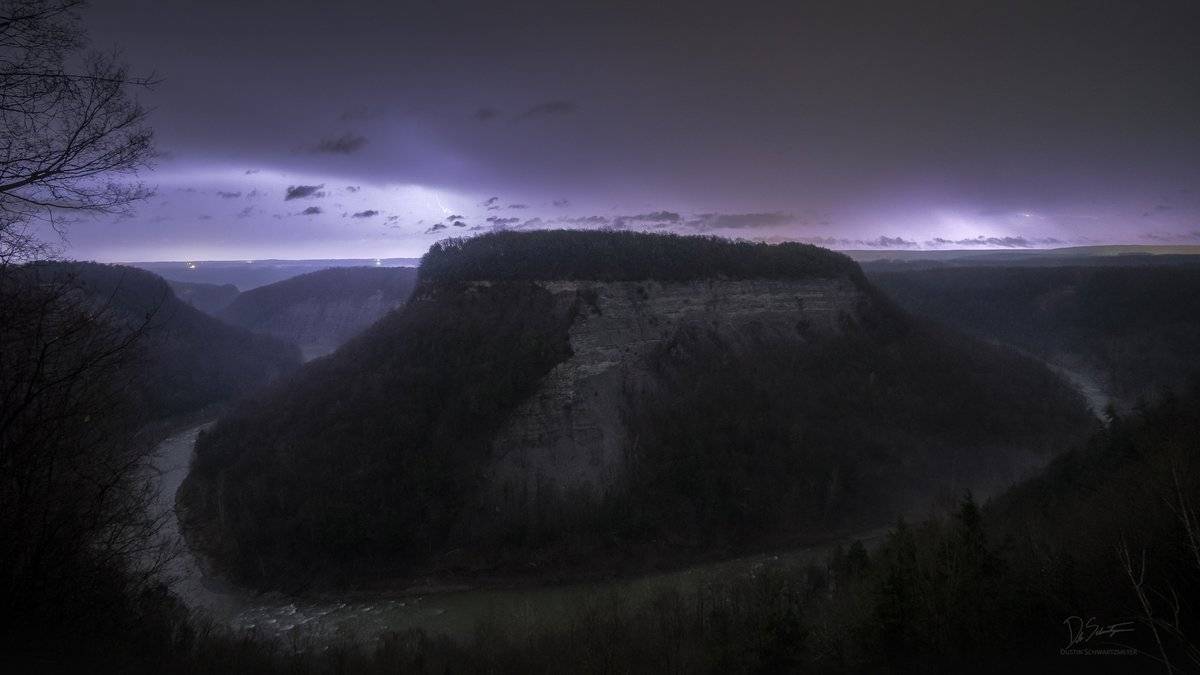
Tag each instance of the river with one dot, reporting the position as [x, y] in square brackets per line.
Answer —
[456, 613]
[451, 612]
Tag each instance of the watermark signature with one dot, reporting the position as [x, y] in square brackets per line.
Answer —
[1081, 632]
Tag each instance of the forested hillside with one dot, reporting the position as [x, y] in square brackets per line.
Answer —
[97, 362]
[624, 256]
[208, 298]
[188, 358]
[1136, 327]
[319, 311]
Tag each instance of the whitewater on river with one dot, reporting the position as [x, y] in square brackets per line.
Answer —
[454, 612]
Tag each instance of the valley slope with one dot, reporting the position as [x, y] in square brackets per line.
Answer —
[186, 359]
[208, 298]
[319, 311]
[1135, 328]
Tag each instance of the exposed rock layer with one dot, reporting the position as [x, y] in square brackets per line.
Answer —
[569, 434]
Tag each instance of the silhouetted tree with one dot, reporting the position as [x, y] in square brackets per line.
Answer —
[70, 126]
[79, 544]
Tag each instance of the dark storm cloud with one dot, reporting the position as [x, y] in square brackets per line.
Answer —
[311, 211]
[502, 222]
[518, 206]
[303, 192]
[885, 116]
[436, 227]
[490, 202]
[657, 217]
[1171, 238]
[549, 109]
[739, 221]
[346, 144]
[454, 218]
[997, 242]
[840, 242]
[365, 214]
[882, 241]
[358, 114]
[583, 220]
[889, 242]
[228, 195]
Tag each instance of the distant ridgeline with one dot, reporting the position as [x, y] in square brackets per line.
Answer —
[1136, 327]
[590, 402]
[186, 359]
[321, 310]
[208, 298]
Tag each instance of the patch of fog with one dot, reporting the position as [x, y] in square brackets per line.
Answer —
[1087, 383]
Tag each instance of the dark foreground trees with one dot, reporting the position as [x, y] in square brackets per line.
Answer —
[77, 546]
[74, 474]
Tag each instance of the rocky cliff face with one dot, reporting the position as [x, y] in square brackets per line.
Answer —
[569, 434]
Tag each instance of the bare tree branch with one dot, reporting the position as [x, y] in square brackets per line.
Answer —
[72, 136]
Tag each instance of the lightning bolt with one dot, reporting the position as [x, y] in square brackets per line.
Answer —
[437, 198]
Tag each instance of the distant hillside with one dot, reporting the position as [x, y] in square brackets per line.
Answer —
[1136, 327]
[249, 274]
[208, 298]
[1074, 256]
[669, 398]
[321, 310]
[188, 359]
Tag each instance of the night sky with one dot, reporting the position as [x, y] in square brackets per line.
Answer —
[372, 129]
